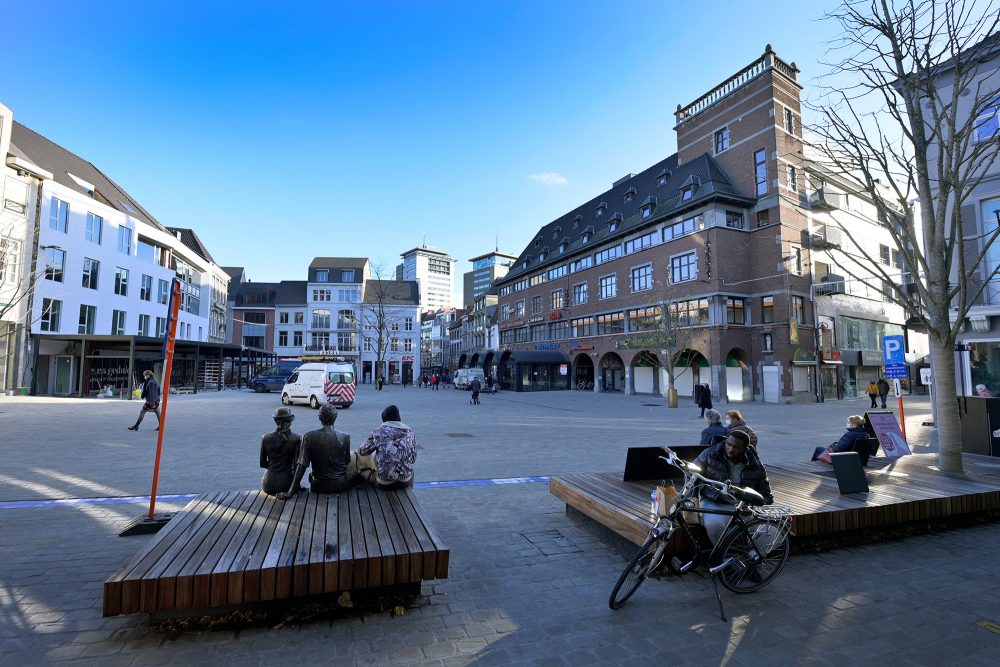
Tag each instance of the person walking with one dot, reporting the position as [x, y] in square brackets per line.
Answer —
[872, 393]
[883, 390]
[434, 381]
[378, 383]
[151, 396]
[734, 422]
[705, 399]
[715, 432]
[490, 382]
[476, 387]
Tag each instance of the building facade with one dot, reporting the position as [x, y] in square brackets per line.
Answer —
[434, 271]
[486, 269]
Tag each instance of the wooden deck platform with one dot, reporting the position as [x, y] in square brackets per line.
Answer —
[901, 492]
[242, 547]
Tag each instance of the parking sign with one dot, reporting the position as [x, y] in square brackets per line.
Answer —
[892, 350]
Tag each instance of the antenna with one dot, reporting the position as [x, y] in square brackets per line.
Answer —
[496, 242]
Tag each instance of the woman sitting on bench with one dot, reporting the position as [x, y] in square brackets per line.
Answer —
[854, 440]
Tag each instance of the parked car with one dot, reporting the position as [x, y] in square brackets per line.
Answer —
[463, 377]
[275, 377]
[316, 383]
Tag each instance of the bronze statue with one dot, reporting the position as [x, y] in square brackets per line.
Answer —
[278, 453]
[329, 452]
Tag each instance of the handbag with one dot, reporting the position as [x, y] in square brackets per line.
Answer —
[825, 457]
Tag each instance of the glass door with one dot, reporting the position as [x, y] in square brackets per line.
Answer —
[64, 384]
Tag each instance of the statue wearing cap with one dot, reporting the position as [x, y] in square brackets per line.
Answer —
[279, 451]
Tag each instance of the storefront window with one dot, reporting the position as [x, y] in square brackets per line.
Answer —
[858, 334]
[985, 364]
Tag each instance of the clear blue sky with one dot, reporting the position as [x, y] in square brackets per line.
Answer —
[282, 131]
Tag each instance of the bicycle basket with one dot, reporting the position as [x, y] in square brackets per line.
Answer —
[775, 527]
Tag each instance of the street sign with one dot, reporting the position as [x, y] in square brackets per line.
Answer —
[896, 371]
[892, 350]
[925, 376]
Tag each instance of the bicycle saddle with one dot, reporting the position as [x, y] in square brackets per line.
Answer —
[747, 495]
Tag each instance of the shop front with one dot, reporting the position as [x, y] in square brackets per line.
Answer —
[533, 370]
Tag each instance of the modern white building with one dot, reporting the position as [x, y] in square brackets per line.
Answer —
[333, 295]
[390, 313]
[434, 271]
[103, 266]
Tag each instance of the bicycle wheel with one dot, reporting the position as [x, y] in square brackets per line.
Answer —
[747, 574]
[634, 574]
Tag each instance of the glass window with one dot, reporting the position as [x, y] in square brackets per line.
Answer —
[91, 271]
[346, 320]
[611, 323]
[536, 303]
[789, 121]
[58, 215]
[146, 288]
[582, 326]
[121, 281]
[161, 327]
[557, 272]
[300, 317]
[734, 219]
[322, 295]
[581, 264]
[644, 319]
[608, 254]
[722, 140]
[346, 341]
[579, 294]
[640, 243]
[559, 330]
[407, 324]
[767, 309]
[125, 240]
[642, 278]
[322, 276]
[689, 313]
[988, 122]
[538, 332]
[347, 276]
[146, 251]
[793, 181]
[763, 218]
[884, 254]
[117, 322]
[684, 267]
[163, 292]
[51, 308]
[297, 338]
[95, 224]
[760, 171]
[283, 339]
[608, 286]
[735, 310]
[88, 315]
[519, 308]
[282, 318]
[55, 264]
[684, 227]
[143, 329]
[687, 193]
[798, 310]
[556, 301]
[321, 319]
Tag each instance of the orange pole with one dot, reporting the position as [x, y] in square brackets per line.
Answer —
[902, 417]
[175, 300]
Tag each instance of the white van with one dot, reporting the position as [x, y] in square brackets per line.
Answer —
[318, 383]
[463, 378]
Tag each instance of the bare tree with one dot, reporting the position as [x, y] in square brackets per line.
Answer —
[377, 316]
[900, 118]
[675, 340]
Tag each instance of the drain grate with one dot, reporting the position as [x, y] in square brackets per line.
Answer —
[551, 542]
[651, 405]
[460, 435]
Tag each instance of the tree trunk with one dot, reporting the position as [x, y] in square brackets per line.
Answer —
[947, 421]
[671, 390]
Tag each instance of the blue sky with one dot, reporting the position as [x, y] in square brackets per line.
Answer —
[282, 131]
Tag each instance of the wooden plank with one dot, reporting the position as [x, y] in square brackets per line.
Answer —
[267, 566]
[415, 556]
[425, 543]
[241, 568]
[360, 564]
[220, 574]
[310, 533]
[114, 588]
[331, 549]
[286, 559]
[201, 576]
[380, 534]
[345, 546]
[399, 550]
[442, 553]
[198, 546]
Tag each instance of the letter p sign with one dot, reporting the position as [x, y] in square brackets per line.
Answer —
[892, 350]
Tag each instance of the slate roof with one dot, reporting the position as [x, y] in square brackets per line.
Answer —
[255, 295]
[711, 182]
[397, 292]
[33, 147]
[291, 293]
[338, 263]
[190, 239]
[234, 272]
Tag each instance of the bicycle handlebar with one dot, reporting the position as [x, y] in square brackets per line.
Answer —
[694, 471]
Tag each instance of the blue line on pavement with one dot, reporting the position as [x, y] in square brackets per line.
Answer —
[129, 500]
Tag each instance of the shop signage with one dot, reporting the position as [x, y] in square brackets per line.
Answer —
[555, 316]
[535, 318]
[883, 425]
[511, 323]
[871, 358]
[655, 342]
[582, 348]
[108, 371]
[833, 355]
[563, 369]
[547, 346]
[407, 357]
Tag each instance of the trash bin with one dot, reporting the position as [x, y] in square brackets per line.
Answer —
[24, 391]
[980, 425]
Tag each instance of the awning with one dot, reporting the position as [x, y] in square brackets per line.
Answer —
[831, 362]
[536, 357]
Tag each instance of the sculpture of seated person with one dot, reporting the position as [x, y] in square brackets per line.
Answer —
[854, 440]
[328, 452]
[278, 452]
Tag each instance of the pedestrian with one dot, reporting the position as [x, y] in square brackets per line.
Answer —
[387, 456]
[434, 381]
[872, 393]
[734, 422]
[151, 395]
[378, 383]
[883, 390]
[715, 432]
[705, 399]
[490, 384]
[476, 387]
[420, 381]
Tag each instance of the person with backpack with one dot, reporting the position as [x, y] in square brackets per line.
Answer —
[883, 390]
[476, 387]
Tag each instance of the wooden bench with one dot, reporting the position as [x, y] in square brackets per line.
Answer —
[901, 492]
[233, 548]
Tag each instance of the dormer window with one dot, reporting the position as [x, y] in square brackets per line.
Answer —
[563, 245]
[629, 195]
[613, 226]
[647, 207]
[538, 241]
[577, 220]
[556, 233]
[322, 276]
[600, 210]
[687, 193]
[661, 178]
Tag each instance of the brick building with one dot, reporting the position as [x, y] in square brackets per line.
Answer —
[717, 234]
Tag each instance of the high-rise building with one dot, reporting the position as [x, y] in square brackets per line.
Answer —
[434, 270]
[485, 269]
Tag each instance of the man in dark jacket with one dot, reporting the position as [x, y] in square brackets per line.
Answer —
[151, 396]
[736, 461]
[883, 391]
[715, 432]
[476, 387]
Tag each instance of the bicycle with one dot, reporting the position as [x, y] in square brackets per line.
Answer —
[750, 554]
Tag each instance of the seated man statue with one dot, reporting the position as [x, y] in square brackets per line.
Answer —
[328, 451]
[278, 452]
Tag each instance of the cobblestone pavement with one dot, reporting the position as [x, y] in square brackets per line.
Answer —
[527, 585]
